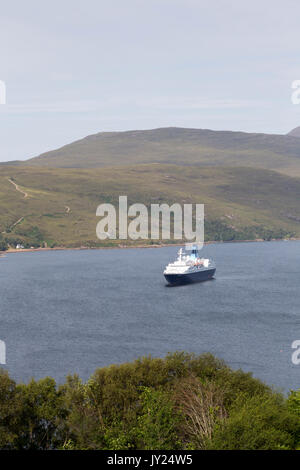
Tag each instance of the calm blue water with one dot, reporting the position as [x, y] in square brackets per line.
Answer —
[72, 311]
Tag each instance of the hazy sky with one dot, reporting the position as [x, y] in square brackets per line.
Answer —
[75, 68]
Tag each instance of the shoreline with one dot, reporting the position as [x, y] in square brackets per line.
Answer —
[121, 247]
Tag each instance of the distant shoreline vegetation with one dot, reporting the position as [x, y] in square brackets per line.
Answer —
[120, 246]
[182, 401]
[216, 231]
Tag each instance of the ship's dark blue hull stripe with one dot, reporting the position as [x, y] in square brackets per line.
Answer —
[191, 277]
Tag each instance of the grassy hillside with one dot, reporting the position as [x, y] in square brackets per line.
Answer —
[58, 206]
[178, 146]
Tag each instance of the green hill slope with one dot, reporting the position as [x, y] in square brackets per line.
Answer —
[58, 206]
[178, 146]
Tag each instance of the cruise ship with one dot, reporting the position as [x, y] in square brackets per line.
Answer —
[189, 267]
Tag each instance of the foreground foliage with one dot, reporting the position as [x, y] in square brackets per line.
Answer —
[180, 402]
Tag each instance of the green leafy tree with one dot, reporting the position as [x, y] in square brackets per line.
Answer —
[293, 404]
[3, 244]
[40, 424]
[9, 411]
[157, 425]
[261, 422]
[181, 401]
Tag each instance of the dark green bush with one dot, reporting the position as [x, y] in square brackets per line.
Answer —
[180, 402]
